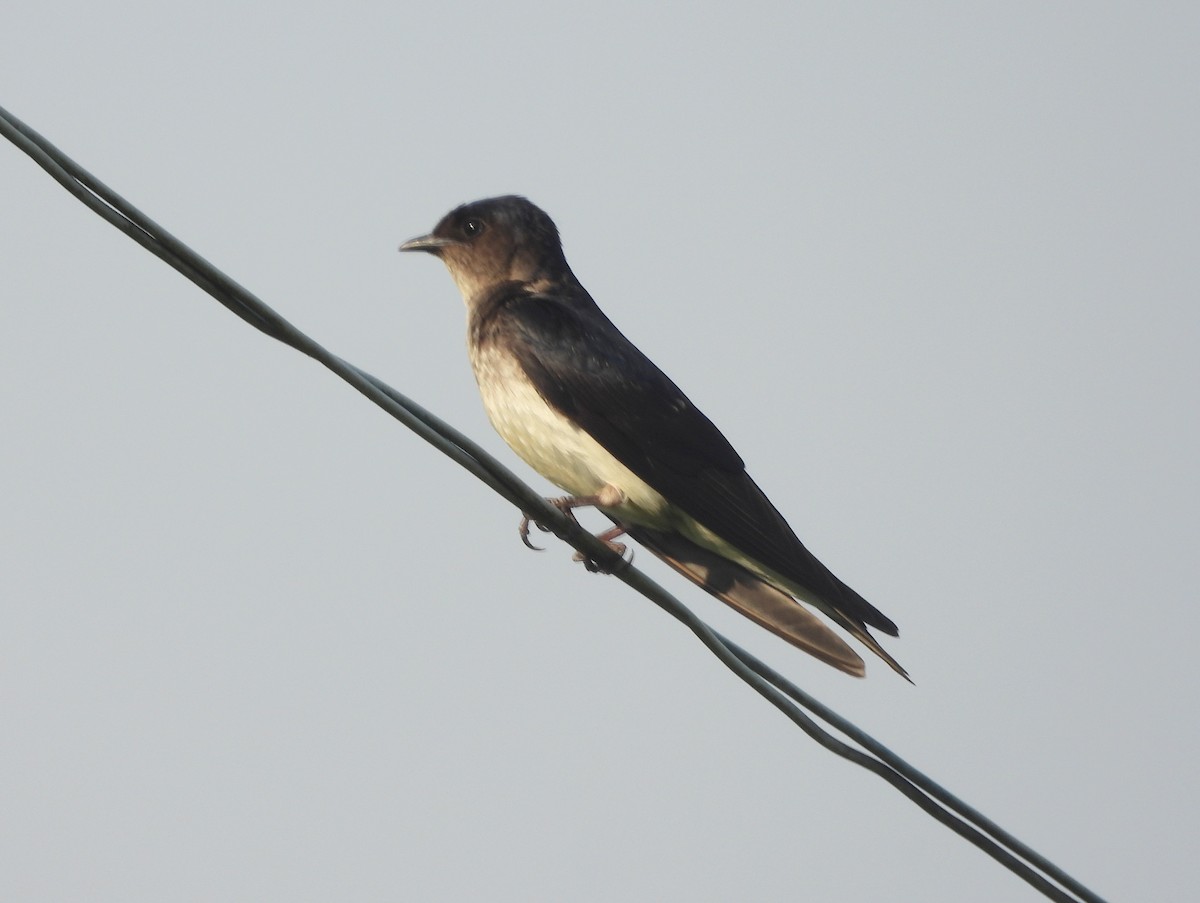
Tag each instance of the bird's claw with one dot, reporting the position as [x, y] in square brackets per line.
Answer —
[562, 504]
[523, 530]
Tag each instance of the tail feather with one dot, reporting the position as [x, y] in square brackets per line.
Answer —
[764, 603]
[757, 600]
[861, 634]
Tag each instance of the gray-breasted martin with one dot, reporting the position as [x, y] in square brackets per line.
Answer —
[594, 415]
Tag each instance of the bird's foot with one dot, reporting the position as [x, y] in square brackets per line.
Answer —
[608, 497]
[563, 504]
[523, 527]
[617, 548]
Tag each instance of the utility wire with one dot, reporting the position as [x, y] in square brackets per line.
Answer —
[939, 803]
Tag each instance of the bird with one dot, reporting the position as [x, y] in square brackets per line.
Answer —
[574, 398]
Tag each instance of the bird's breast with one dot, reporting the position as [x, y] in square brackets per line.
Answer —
[551, 443]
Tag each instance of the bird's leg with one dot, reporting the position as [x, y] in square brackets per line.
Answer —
[609, 496]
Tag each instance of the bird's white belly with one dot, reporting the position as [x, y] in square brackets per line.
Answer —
[553, 445]
[567, 456]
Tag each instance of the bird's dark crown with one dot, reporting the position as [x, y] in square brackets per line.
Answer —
[526, 223]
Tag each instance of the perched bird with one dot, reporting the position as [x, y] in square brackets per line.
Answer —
[591, 413]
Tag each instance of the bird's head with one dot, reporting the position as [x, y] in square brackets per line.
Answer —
[488, 242]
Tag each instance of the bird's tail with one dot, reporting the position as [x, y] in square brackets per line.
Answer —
[860, 633]
[758, 600]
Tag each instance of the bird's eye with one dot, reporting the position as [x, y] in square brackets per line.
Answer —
[472, 227]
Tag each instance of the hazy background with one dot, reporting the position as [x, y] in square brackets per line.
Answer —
[932, 270]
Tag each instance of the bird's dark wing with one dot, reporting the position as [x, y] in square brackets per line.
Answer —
[585, 368]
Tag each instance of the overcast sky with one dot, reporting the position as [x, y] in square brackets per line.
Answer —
[932, 270]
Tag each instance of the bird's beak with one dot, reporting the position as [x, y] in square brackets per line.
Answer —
[430, 243]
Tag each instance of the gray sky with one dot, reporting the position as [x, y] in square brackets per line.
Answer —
[258, 642]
